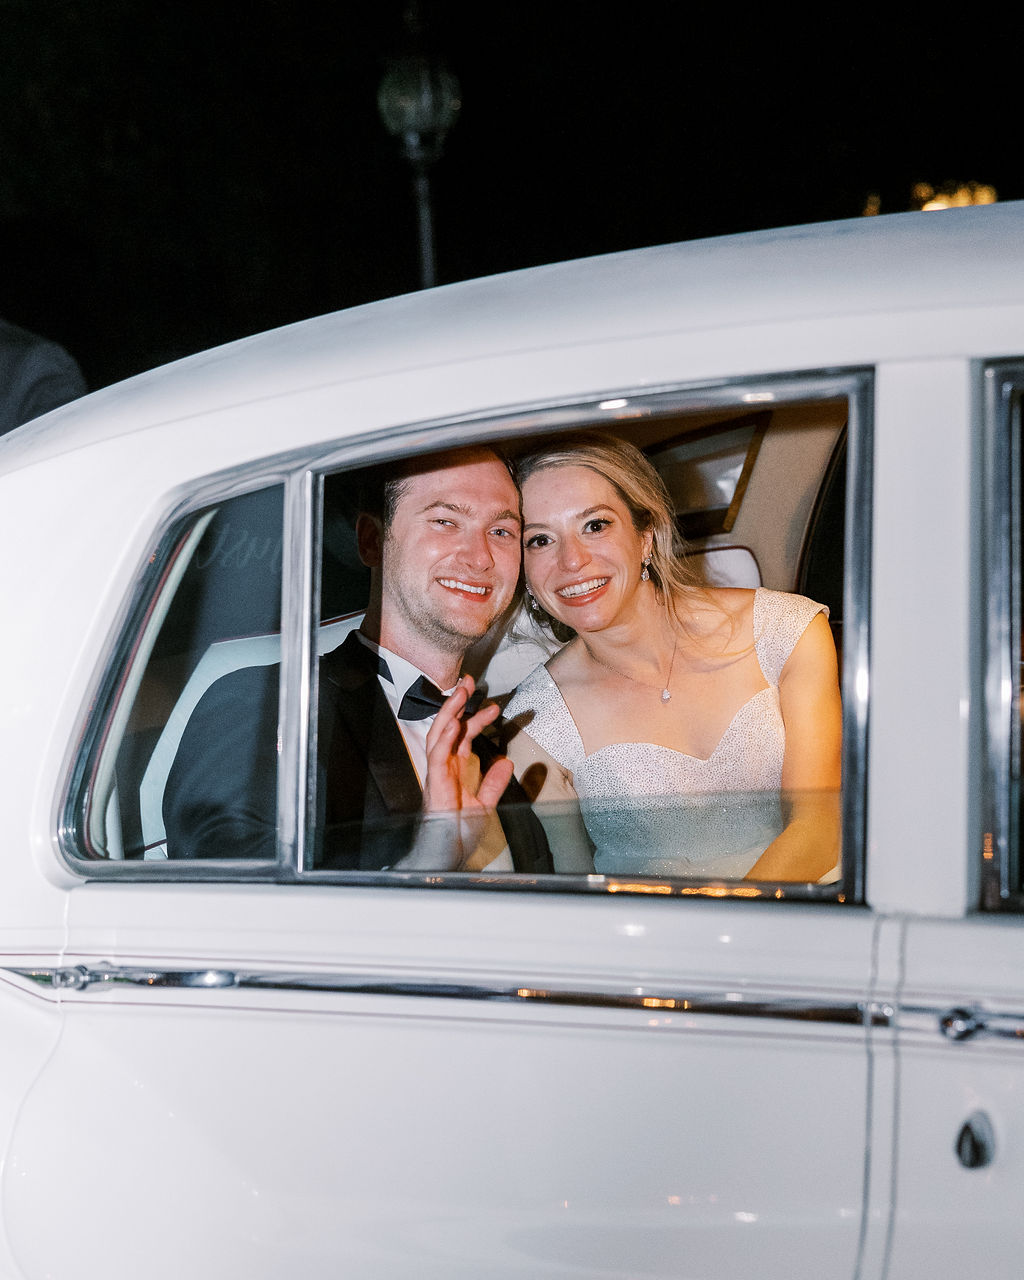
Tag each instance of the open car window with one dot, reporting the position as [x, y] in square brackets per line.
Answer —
[184, 759]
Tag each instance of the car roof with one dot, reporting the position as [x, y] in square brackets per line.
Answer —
[864, 266]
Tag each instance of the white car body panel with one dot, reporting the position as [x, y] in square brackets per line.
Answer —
[271, 1133]
[467, 1120]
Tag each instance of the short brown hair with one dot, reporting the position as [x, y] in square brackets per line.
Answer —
[379, 489]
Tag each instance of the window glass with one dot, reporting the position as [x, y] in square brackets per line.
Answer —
[175, 756]
[612, 782]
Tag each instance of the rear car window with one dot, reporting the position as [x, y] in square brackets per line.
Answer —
[181, 768]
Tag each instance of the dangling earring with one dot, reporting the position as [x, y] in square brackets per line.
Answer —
[646, 575]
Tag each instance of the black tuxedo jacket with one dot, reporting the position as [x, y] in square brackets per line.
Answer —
[220, 799]
[370, 796]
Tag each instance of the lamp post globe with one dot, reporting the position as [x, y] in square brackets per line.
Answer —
[418, 100]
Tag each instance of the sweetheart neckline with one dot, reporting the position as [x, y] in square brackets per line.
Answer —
[657, 745]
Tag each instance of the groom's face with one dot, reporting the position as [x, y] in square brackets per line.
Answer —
[451, 553]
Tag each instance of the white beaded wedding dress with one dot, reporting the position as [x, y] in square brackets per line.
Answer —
[653, 811]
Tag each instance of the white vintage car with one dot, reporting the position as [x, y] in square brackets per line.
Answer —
[261, 1067]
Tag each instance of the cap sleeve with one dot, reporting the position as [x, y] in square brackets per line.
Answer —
[537, 708]
[780, 619]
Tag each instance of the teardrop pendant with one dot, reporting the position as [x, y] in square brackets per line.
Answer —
[665, 695]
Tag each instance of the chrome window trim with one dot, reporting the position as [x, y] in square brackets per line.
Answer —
[999, 607]
[853, 385]
[300, 472]
[72, 796]
[298, 672]
[856, 679]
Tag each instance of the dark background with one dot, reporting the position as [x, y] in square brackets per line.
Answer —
[175, 176]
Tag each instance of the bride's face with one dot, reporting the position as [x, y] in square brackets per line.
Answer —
[581, 554]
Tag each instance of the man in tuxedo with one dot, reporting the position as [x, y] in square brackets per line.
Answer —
[406, 779]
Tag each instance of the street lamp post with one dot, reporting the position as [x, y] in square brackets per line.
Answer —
[418, 100]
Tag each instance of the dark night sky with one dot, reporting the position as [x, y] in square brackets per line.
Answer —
[173, 176]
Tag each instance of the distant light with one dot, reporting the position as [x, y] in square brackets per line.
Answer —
[613, 404]
[954, 195]
[926, 198]
[757, 397]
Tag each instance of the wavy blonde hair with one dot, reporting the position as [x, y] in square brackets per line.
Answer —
[643, 491]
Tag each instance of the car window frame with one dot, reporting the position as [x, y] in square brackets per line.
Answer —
[1001, 556]
[185, 506]
[301, 474]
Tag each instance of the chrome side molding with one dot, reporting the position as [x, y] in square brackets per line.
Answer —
[733, 1004]
[956, 1024]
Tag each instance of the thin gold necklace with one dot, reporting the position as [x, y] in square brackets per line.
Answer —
[666, 692]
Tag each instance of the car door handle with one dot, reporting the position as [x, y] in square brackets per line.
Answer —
[966, 1023]
[976, 1142]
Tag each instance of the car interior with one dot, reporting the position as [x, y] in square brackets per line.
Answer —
[759, 495]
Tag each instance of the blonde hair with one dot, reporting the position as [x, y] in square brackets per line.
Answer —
[643, 491]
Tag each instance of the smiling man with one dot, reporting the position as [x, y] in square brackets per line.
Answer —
[405, 777]
[444, 555]
[442, 540]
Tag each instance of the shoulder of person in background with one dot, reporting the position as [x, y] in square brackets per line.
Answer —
[36, 375]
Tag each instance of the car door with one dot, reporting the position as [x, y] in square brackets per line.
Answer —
[508, 1086]
[960, 1133]
[266, 1069]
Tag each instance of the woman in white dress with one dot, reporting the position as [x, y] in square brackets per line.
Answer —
[695, 729]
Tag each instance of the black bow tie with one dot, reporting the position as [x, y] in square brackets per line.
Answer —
[422, 700]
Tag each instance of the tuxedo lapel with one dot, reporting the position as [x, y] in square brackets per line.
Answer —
[387, 760]
[365, 714]
[367, 778]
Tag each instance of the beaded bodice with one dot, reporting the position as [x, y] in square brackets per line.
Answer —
[712, 816]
